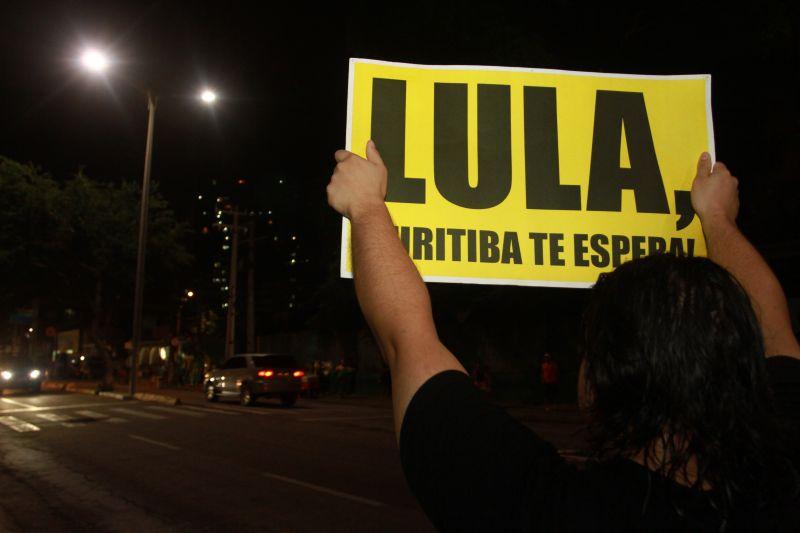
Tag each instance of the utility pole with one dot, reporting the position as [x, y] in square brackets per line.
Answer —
[138, 294]
[230, 331]
[251, 286]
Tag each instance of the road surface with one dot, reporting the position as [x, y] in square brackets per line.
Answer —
[74, 462]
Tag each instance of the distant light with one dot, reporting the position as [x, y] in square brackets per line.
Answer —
[280, 182]
[241, 181]
[7, 375]
[94, 60]
[30, 330]
[190, 294]
[83, 358]
[294, 237]
[199, 196]
[208, 96]
[34, 374]
[162, 352]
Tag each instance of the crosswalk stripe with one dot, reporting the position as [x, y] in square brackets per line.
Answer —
[174, 410]
[17, 425]
[345, 418]
[94, 415]
[137, 413]
[53, 408]
[52, 417]
[210, 410]
[63, 420]
[20, 404]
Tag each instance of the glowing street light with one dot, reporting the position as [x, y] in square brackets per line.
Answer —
[190, 294]
[97, 62]
[208, 96]
[94, 60]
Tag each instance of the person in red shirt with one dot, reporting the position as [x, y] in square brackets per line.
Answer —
[549, 376]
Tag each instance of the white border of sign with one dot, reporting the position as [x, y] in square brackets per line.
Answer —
[495, 281]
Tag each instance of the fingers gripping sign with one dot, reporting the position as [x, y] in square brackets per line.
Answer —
[357, 184]
[715, 191]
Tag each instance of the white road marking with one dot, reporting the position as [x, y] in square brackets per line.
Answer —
[174, 410]
[325, 490]
[57, 407]
[239, 411]
[94, 415]
[17, 425]
[20, 404]
[140, 414]
[336, 418]
[154, 442]
[64, 420]
[52, 417]
[210, 410]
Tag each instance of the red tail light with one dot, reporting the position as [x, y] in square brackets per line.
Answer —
[298, 373]
[265, 373]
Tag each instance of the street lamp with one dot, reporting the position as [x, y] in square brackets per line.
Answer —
[208, 96]
[97, 62]
[94, 60]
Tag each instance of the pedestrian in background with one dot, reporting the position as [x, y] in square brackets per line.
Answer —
[549, 377]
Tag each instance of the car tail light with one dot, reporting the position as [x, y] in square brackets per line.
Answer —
[265, 373]
[298, 373]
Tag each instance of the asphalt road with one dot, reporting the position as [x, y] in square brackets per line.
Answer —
[73, 462]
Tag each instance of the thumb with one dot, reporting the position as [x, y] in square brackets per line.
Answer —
[704, 165]
[373, 156]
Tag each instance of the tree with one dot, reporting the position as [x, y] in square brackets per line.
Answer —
[30, 233]
[74, 245]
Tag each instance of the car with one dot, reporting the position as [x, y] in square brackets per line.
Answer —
[20, 373]
[254, 376]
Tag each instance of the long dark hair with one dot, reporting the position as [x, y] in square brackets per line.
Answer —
[674, 360]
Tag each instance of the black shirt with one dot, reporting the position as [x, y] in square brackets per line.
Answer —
[475, 468]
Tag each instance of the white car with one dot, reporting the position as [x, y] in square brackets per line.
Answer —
[256, 375]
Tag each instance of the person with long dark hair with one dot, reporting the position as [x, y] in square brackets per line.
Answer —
[691, 377]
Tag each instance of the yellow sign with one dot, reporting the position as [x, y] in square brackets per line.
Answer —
[531, 177]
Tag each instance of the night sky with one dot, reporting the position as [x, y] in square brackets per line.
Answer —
[282, 74]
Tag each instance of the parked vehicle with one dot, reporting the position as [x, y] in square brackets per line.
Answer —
[20, 373]
[254, 376]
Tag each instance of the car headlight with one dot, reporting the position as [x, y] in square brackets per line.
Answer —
[6, 375]
[34, 374]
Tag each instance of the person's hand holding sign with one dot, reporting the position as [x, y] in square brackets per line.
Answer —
[390, 290]
[357, 184]
[715, 193]
[715, 198]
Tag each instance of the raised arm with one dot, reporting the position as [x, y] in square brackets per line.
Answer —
[715, 197]
[391, 292]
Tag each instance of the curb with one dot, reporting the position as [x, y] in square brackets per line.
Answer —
[115, 395]
[57, 387]
[160, 398]
[71, 387]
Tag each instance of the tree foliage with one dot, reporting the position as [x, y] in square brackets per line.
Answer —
[73, 245]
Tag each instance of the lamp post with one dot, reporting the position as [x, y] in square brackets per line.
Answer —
[97, 62]
[138, 295]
